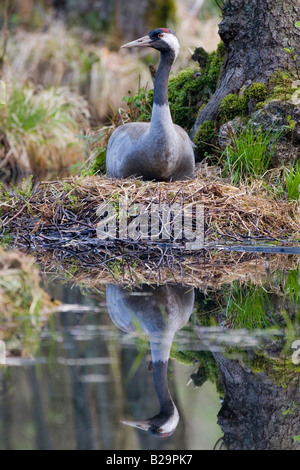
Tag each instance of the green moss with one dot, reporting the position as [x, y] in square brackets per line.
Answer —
[189, 89]
[206, 363]
[257, 92]
[204, 137]
[260, 105]
[278, 87]
[201, 56]
[232, 106]
[221, 51]
[184, 358]
[183, 88]
[100, 161]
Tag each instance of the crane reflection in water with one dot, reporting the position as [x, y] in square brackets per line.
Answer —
[160, 311]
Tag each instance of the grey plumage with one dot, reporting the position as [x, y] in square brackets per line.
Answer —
[160, 311]
[158, 150]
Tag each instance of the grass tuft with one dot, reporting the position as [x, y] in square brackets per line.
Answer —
[250, 153]
[40, 128]
[291, 178]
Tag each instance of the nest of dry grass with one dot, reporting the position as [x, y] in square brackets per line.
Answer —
[231, 214]
[60, 217]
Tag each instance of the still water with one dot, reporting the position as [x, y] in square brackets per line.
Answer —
[161, 367]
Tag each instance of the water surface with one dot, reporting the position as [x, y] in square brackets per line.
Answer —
[232, 372]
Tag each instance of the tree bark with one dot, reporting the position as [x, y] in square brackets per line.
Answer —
[255, 34]
[253, 414]
[131, 18]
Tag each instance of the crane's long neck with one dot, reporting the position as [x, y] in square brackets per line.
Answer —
[160, 376]
[160, 352]
[161, 120]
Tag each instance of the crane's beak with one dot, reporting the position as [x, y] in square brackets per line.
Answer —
[144, 425]
[145, 41]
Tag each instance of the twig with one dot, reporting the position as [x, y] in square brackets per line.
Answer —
[218, 4]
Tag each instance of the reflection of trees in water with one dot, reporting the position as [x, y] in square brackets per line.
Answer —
[53, 407]
[260, 387]
[253, 415]
[57, 408]
[261, 402]
[260, 407]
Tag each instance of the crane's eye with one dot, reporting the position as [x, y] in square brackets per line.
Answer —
[160, 35]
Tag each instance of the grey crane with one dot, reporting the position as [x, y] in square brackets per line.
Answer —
[160, 311]
[159, 150]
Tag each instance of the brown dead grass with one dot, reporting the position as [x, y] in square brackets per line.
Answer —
[231, 213]
[232, 216]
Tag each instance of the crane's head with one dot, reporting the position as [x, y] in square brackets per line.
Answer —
[162, 39]
[160, 425]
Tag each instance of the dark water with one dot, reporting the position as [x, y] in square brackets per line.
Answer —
[233, 369]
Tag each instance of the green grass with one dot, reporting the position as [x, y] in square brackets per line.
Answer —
[42, 115]
[250, 309]
[249, 154]
[291, 178]
[291, 287]
[40, 127]
[139, 105]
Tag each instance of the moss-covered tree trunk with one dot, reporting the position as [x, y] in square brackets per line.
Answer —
[255, 34]
[257, 414]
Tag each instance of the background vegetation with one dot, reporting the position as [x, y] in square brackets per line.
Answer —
[68, 86]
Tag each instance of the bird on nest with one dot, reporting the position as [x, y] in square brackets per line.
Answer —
[159, 150]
